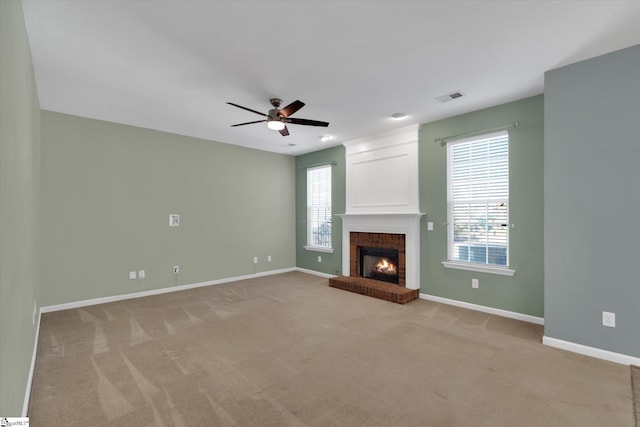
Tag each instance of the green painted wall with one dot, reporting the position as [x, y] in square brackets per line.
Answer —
[331, 263]
[19, 207]
[522, 293]
[108, 190]
[592, 200]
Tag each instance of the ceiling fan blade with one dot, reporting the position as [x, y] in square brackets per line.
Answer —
[306, 122]
[284, 131]
[248, 123]
[291, 108]
[248, 109]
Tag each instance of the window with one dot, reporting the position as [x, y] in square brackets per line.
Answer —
[478, 200]
[319, 208]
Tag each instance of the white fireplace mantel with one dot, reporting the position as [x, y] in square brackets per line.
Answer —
[394, 223]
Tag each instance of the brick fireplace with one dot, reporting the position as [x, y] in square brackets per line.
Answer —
[382, 212]
[396, 231]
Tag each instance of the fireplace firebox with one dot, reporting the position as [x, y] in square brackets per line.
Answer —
[379, 264]
[378, 245]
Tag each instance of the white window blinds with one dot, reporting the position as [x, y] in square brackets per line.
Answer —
[478, 199]
[319, 206]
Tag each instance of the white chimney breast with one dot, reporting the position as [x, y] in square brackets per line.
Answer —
[380, 183]
[383, 193]
[382, 173]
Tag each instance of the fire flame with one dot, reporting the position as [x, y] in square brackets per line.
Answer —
[384, 266]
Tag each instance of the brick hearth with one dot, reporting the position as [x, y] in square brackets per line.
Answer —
[375, 288]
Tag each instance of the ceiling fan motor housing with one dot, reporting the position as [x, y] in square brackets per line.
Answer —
[274, 115]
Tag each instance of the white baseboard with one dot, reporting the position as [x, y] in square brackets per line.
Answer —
[485, 309]
[315, 273]
[27, 392]
[598, 353]
[104, 300]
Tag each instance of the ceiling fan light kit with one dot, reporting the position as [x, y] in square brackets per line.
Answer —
[275, 124]
[278, 118]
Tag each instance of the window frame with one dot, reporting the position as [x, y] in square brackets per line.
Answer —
[485, 267]
[310, 246]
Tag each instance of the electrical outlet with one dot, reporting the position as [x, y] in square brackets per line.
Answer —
[141, 274]
[319, 258]
[608, 319]
[176, 269]
[268, 258]
[429, 226]
[255, 259]
[132, 275]
[475, 283]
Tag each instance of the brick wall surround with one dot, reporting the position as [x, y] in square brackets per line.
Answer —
[377, 240]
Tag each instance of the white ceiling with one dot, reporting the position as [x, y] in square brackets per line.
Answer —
[172, 65]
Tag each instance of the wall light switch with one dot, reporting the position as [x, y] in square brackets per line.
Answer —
[141, 274]
[174, 220]
[132, 275]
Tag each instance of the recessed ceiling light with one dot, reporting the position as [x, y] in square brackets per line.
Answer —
[398, 116]
[325, 138]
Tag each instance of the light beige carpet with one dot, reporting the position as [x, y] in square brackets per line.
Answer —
[635, 385]
[288, 350]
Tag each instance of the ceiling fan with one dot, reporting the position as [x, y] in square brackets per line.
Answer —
[277, 118]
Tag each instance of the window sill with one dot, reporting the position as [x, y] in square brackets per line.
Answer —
[503, 271]
[319, 249]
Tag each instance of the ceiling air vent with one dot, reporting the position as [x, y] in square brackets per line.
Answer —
[449, 97]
